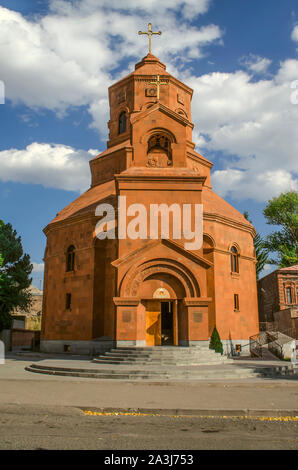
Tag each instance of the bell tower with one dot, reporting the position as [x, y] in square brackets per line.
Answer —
[150, 125]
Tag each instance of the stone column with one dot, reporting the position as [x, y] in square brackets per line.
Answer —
[175, 322]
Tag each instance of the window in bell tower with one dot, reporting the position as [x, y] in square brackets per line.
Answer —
[159, 151]
[122, 123]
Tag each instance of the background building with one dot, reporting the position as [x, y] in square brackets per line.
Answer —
[278, 299]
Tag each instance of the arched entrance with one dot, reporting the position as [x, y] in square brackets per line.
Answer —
[157, 290]
[161, 293]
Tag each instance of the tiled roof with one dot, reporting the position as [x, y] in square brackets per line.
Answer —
[290, 268]
[212, 202]
[87, 202]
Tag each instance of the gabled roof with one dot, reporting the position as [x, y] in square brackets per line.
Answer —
[131, 257]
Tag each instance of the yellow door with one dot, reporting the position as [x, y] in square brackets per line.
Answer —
[153, 323]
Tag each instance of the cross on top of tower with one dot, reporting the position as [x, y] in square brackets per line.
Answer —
[149, 34]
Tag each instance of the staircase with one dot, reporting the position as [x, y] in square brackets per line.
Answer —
[160, 364]
[163, 355]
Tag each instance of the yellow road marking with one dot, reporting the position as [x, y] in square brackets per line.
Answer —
[258, 418]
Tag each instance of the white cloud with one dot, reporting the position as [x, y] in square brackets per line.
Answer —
[66, 58]
[255, 63]
[254, 124]
[188, 8]
[53, 166]
[295, 34]
[38, 268]
[252, 184]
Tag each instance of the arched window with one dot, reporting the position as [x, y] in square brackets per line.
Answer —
[159, 151]
[122, 123]
[70, 258]
[234, 260]
[159, 142]
[289, 295]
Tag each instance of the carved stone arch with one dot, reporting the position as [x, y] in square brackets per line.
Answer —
[208, 247]
[209, 240]
[122, 108]
[136, 275]
[158, 130]
[67, 245]
[147, 105]
[236, 246]
[182, 112]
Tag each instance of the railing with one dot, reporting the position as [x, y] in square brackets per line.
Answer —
[291, 332]
[256, 342]
[276, 349]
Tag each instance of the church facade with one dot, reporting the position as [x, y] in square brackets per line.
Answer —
[123, 291]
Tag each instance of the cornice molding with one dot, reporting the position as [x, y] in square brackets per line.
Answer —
[147, 78]
[230, 222]
[164, 109]
[198, 158]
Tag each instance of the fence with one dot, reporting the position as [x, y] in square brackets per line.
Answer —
[24, 339]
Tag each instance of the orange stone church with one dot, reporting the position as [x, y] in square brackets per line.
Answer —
[105, 293]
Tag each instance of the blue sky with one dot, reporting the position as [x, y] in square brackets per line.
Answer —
[58, 57]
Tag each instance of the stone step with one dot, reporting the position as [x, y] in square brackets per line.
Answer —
[165, 363]
[161, 353]
[157, 360]
[111, 373]
[160, 350]
[227, 373]
[160, 357]
[161, 347]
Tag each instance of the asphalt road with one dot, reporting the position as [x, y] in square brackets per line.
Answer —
[43, 427]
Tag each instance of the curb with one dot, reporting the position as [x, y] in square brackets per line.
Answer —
[193, 412]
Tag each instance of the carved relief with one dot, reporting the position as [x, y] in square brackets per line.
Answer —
[161, 293]
[152, 91]
[156, 160]
[121, 97]
[135, 277]
[180, 98]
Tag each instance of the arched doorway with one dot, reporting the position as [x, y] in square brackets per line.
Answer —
[161, 294]
[161, 285]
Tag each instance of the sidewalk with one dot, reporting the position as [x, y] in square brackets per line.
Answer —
[18, 386]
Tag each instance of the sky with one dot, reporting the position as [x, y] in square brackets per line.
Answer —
[58, 57]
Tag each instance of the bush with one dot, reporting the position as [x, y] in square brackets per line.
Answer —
[215, 342]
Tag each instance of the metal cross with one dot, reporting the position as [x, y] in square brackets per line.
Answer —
[149, 34]
[158, 83]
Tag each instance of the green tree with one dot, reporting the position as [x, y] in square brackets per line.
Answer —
[15, 270]
[283, 211]
[215, 342]
[262, 253]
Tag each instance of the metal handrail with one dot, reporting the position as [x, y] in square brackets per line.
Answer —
[256, 342]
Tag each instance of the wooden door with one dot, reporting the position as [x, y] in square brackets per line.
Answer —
[153, 323]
